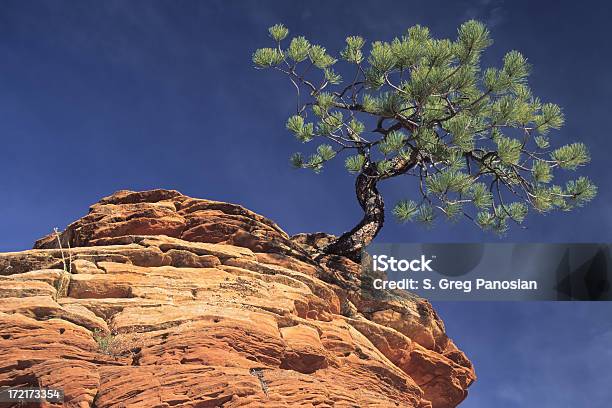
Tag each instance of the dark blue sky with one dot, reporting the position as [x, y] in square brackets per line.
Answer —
[100, 96]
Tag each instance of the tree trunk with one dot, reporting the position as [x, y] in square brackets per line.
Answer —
[352, 242]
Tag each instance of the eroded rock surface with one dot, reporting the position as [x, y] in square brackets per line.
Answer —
[163, 300]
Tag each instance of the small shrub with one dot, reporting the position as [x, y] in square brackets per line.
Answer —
[107, 343]
[114, 345]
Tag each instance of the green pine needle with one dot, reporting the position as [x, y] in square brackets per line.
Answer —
[354, 164]
[278, 32]
[405, 210]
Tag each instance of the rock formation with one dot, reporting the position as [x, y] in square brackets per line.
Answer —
[156, 299]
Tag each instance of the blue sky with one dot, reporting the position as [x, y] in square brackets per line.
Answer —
[100, 96]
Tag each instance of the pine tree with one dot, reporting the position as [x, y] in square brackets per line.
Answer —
[476, 140]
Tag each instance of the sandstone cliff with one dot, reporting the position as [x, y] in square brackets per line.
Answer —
[170, 301]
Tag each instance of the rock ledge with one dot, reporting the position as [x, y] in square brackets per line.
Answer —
[164, 300]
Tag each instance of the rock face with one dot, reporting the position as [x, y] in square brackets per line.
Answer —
[163, 300]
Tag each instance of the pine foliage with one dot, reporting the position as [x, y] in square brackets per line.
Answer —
[475, 139]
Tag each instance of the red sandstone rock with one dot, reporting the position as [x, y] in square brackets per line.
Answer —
[174, 301]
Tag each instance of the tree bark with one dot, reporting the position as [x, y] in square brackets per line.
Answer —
[351, 243]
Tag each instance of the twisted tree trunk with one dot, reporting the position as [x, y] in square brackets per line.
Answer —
[351, 243]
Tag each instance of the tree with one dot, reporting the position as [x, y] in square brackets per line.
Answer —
[474, 140]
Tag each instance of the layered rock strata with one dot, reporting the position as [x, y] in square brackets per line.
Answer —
[156, 299]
